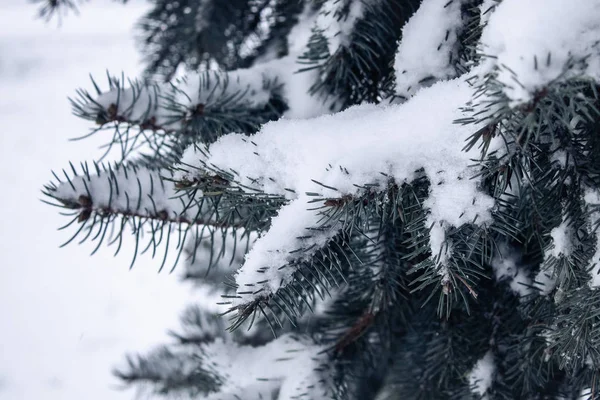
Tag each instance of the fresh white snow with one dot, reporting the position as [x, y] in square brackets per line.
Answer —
[482, 374]
[285, 363]
[362, 145]
[545, 38]
[193, 90]
[140, 191]
[562, 240]
[141, 103]
[427, 45]
[335, 26]
[67, 318]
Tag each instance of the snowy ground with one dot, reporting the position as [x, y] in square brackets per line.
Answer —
[66, 318]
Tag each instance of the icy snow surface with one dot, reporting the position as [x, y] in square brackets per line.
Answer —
[532, 42]
[355, 147]
[67, 318]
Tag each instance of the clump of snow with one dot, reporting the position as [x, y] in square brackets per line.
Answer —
[363, 145]
[336, 24]
[548, 40]
[152, 101]
[301, 32]
[561, 247]
[127, 189]
[561, 239]
[452, 204]
[296, 90]
[586, 394]
[285, 364]
[592, 199]
[296, 85]
[482, 374]
[204, 7]
[506, 268]
[427, 45]
[559, 157]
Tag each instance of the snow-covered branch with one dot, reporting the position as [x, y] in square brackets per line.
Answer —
[427, 50]
[341, 155]
[221, 369]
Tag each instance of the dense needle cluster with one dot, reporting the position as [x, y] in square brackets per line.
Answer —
[383, 199]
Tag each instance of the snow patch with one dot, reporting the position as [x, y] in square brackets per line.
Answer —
[284, 363]
[548, 41]
[592, 199]
[335, 23]
[365, 144]
[561, 239]
[486, 9]
[139, 191]
[482, 374]
[427, 46]
[145, 102]
[506, 268]
[561, 247]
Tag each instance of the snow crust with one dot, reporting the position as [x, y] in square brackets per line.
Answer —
[533, 43]
[427, 45]
[362, 145]
[482, 374]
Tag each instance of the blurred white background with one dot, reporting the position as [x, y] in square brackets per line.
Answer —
[66, 318]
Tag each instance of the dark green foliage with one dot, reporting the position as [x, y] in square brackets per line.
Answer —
[223, 108]
[49, 8]
[359, 70]
[196, 33]
[389, 322]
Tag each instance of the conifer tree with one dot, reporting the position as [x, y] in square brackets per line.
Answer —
[394, 199]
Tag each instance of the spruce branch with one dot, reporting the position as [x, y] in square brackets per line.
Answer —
[189, 35]
[355, 66]
[51, 8]
[115, 196]
[214, 369]
[160, 120]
